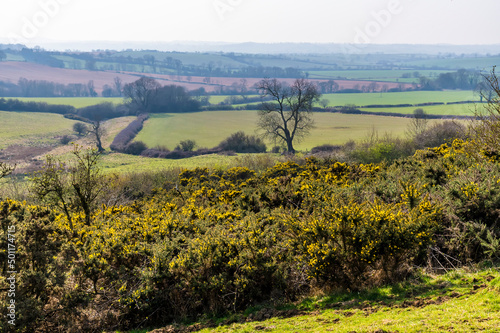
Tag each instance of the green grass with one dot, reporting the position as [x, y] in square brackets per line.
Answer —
[407, 97]
[77, 102]
[454, 302]
[27, 128]
[208, 129]
[374, 75]
[122, 163]
[444, 110]
[480, 63]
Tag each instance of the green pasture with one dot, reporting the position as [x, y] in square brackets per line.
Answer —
[28, 128]
[387, 98]
[209, 128]
[480, 63]
[406, 97]
[216, 99]
[442, 110]
[375, 75]
[123, 163]
[77, 102]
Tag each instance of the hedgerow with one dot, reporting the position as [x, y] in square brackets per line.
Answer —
[219, 241]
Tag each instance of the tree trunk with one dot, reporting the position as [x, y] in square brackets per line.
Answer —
[289, 144]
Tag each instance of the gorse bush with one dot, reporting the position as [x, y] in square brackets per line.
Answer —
[214, 241]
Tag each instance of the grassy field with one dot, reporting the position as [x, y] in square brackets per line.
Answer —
[208, 129]
[455, 302]
[375, 75]
[27, 128]
[77, 102]
[407, 97]
[444, 110]
[122, 163]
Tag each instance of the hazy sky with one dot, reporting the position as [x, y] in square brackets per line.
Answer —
[325, 21]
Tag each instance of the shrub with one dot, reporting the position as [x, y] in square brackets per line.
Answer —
[325, 148]
[241, 143]
[106, 110]
[65, 139]
[80, 128]
[135, 148]
[186, 145]
[128, 133]
[439, 134]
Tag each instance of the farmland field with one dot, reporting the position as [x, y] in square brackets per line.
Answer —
[208, 129]
[442, 110]
[377, 75]
[122, 163]
[407, 97]
[43, 128]
[392, 98]
[77, 102]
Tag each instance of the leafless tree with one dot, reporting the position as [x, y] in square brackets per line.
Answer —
[289, 114]
[97, 131]
[486, 131]
[72, 187]
[140, 93]
[418, 124]
[118, 85]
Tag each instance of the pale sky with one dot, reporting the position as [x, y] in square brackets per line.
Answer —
[325, 21]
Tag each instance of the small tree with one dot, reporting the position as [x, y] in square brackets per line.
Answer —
[80, 128]
[186, 145]
[324, 103]
[72, 187]
[289, 116]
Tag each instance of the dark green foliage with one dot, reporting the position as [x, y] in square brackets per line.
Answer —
[186, 145]
[135, 148]
[239, 142]
[17, 105]
[65, 139]
[80, 128]
[102, 111]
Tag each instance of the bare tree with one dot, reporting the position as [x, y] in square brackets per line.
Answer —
[97, 131]
[118, 85]
[418, 123]
[91, 88]
[72, 187]
[289, 114]
[140, 93]
[487, 131]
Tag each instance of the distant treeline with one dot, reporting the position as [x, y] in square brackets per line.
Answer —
[462, 79]
[17, 105]
[96, 112]
[43, 88]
